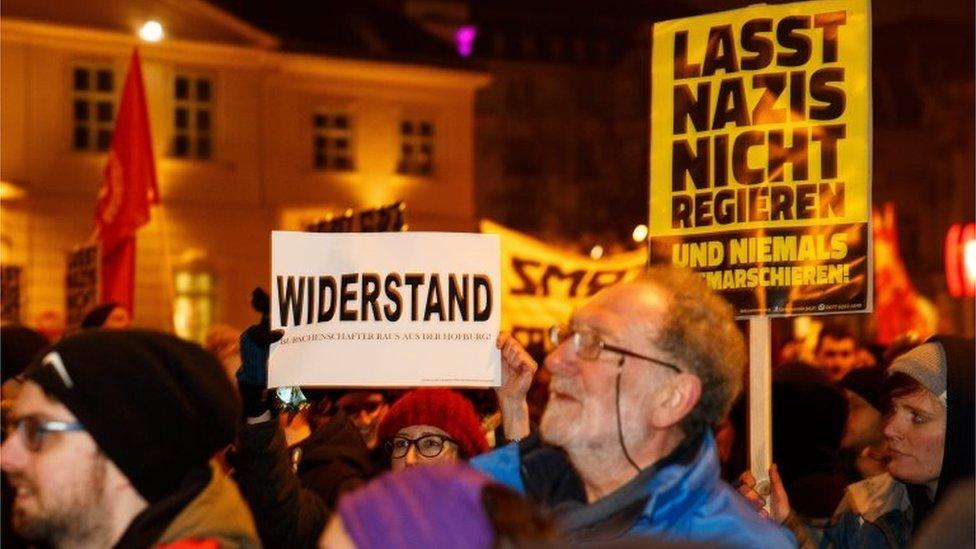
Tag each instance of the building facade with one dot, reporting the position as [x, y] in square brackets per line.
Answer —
[249, 136]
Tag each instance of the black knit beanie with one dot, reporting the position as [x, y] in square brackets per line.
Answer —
[868, 383]
[156, 405]
[18, 347]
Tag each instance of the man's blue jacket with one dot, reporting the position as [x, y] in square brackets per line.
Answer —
[685, 498]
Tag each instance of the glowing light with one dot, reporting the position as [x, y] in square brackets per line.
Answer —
[464, 40]
[11, 191]
[640, 233]
[151, 31]
[596, 252]
[969, 260]
[960, 260]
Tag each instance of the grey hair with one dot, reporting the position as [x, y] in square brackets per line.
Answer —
[699, 333]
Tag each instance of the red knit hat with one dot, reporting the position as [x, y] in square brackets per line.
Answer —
[442, 408]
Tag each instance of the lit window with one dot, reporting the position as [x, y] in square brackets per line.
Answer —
[193, 109]
[92, 106]
[193, 310]
[416, 147]
[332, 134]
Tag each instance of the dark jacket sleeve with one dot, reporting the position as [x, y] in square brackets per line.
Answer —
[286, 513]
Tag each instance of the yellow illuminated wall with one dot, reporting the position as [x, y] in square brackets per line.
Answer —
[262, 167]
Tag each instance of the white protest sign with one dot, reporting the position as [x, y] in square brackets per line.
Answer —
[385, 309]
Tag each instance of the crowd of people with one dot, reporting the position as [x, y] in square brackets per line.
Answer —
[123, 437]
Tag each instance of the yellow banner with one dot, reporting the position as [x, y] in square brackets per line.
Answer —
[541, 285]
[761, 153]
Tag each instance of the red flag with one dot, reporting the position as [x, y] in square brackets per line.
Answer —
[128, 189]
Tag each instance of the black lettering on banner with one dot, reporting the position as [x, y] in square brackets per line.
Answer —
[683, 69]
[788, 37]
[347, 295]
[832, 199]
[435, 300]
[828, 148]
[773, 86]
[482, 304]
[310, 317]
[528, 286]
[370, 293]
[371, 296]
[730, 105]
[805, 197]
[327, 308]
[724, 207]
[720, 167]
[720, 51]
[691, 106]
[394, 309]
[780, 201]
[798, 95]
[759, 45]
[414, 280]
[794, 154]
[833, 96]
[553, 271]
[695, 164]
[681, 210]
[740, 157]
[457, 297]
[829, 23]
[293, 299]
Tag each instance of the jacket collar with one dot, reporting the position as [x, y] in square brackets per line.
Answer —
[657, 496]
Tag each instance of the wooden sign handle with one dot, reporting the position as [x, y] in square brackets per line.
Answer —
[760, 403]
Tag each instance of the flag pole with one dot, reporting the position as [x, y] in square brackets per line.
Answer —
[168, 267]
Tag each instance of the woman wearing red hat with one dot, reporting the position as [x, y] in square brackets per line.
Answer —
[428, 426]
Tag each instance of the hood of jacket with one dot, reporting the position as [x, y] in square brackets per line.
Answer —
[217, 513]
[959, 454]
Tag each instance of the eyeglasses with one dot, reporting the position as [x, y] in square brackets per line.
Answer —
[353, 410]
[33, 430]
[429, 446]
[588, 345]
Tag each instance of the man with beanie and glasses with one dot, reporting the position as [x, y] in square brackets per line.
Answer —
[110, 444]
[639, 376]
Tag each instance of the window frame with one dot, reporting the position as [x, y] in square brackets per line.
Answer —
[419, 140]
[94, 98]
[192, 106]
[331, 110]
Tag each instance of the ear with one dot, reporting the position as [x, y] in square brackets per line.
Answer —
[676, 401]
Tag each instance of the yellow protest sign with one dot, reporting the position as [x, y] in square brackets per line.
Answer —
[761, 149]
[542, 284]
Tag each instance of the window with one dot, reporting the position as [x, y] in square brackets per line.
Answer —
[193, 308]
[193, 104]
[332, 141]
[416, 147]
[93, 106]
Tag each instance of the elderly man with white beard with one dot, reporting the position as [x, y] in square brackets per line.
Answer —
[625, 448]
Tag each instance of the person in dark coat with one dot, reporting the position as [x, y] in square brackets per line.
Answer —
[929, 425]
[809, 415]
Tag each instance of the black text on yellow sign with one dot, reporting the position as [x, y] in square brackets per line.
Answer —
[724, 187]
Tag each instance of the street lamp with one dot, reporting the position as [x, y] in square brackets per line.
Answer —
[151, 31]
[640, 233]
